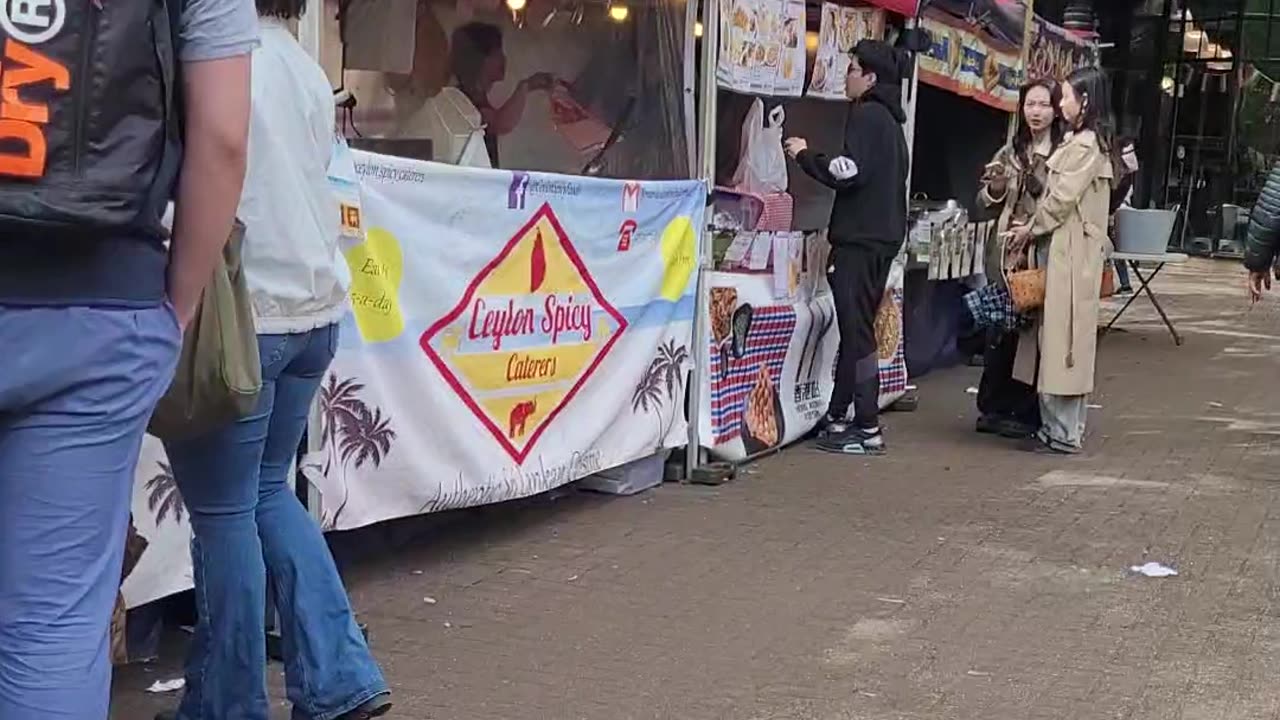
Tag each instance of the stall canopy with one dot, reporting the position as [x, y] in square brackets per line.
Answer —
[901, 7]
[1004, 20]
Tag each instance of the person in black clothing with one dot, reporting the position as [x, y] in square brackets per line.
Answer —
[1124, 165]
[867, 229]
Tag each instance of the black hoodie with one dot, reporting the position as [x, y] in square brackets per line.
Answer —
[869, 176]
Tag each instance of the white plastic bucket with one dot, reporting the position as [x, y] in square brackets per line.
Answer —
[1144, 232]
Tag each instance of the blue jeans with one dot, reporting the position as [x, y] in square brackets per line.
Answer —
[1122, 273]
[249, 527]
[77, 386]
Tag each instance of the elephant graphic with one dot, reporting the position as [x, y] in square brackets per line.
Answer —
[520, 415]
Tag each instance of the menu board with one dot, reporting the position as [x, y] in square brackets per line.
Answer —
[840, 31]
[762, 47]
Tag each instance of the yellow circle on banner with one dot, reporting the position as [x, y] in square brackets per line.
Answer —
[377, 267]
[679, 257]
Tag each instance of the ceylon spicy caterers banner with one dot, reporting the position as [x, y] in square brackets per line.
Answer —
[510, 332]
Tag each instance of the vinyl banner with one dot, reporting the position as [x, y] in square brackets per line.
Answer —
[967, 63]
[1056, 53]
[771, 359]
[510, 332]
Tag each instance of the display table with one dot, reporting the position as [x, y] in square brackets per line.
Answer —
[1136, 260]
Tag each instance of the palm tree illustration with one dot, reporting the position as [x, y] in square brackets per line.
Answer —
[163, 496]
[352, 434]
[663, 382]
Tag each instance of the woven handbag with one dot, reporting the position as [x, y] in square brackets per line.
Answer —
[1026, 287]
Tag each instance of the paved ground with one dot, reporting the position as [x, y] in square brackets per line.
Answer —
[955, 579]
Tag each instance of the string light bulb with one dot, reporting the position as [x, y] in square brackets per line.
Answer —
[618, 13]
[697, 29]
[517, 5]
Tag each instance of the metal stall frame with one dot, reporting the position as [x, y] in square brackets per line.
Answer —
[706, 169]
[708, 89]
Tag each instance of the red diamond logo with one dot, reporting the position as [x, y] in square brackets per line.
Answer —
[529, 331]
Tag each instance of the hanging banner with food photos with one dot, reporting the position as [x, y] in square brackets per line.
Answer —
[965, 63]
[840, 30]
[1056, 53]
[762, 47]
[771, 342]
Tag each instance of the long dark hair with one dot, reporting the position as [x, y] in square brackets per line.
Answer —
[471, 45]
[1022, 138]
[283, 9]
[1094, 93]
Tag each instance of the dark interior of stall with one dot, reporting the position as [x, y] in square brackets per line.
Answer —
[954, 138]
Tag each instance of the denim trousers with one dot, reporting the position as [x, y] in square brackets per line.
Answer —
[250, 529]
[77, 386]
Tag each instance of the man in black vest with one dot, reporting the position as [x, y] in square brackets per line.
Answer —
[93, 298]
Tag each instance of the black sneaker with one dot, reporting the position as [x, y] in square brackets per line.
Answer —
[1015, 430]
[829, 426]
[989, 424]
[854, 441]
[1124, 290]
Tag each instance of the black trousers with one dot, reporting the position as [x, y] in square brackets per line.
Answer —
[999, 394]
[857, 277]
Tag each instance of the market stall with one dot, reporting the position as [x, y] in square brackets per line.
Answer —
[544, 302]
[521, 318]
[770, 340]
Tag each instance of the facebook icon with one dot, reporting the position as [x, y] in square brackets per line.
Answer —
[518, 191]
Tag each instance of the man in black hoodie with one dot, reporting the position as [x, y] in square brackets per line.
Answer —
[868, 227]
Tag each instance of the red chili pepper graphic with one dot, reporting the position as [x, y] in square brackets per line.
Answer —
[537, 265]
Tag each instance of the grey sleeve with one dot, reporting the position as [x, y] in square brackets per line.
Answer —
[216, 29]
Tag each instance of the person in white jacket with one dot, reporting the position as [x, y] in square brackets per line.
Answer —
[248, 525]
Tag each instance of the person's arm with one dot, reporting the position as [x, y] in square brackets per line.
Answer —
[844, 171]
[1121, 191]
[1261, 243]
[993, 193]
[504, 119]
[216, 116]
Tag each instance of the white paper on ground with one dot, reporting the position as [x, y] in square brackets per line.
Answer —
[1154, 570]
[167, 686]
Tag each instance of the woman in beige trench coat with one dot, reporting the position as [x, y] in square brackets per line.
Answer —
[1073, 212]
[1012, 183]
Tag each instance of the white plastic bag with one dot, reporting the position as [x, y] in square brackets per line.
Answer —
[762, 169]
